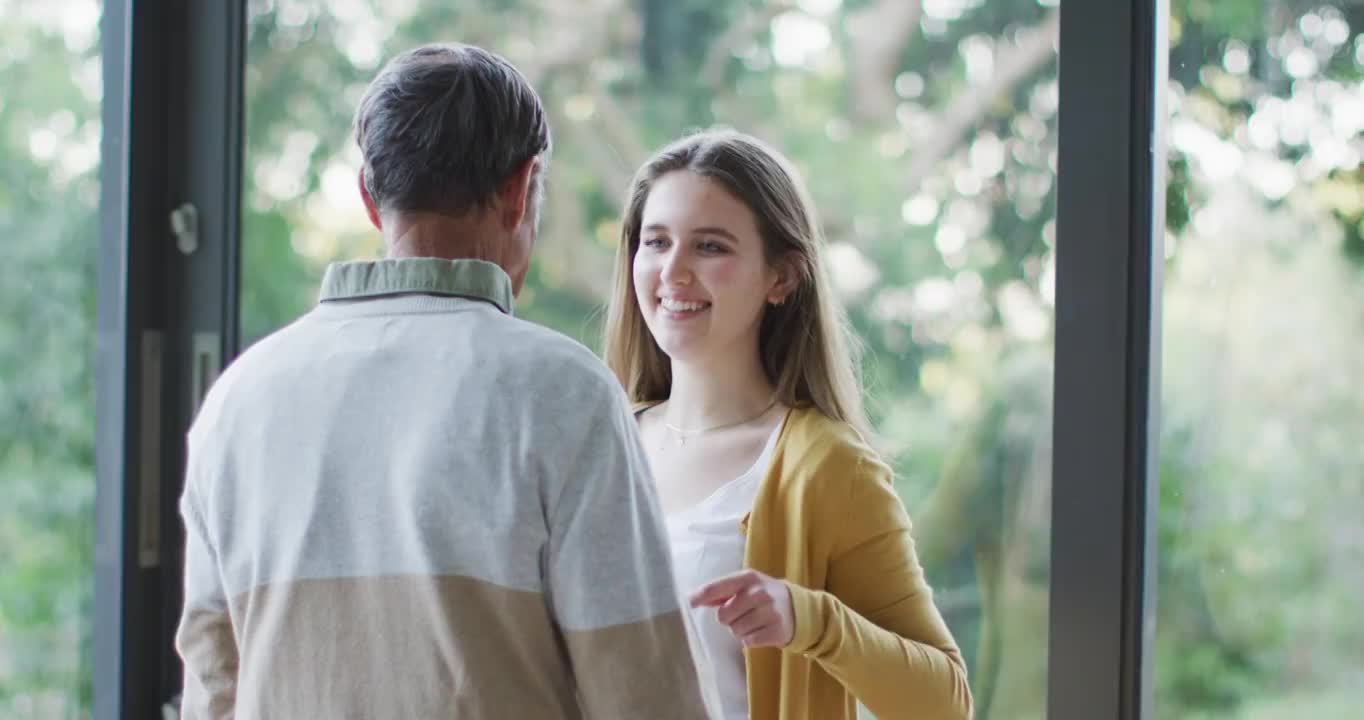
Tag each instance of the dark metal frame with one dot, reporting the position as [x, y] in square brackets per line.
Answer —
[166, 319]
[167, 315]
[1110, 229]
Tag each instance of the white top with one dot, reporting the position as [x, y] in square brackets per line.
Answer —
[707, 544]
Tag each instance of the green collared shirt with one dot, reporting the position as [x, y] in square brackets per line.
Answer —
[473, 279]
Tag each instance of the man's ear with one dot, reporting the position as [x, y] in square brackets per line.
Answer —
[513, 198]
[371, 208]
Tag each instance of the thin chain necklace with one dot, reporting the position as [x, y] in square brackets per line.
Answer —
[682, 434]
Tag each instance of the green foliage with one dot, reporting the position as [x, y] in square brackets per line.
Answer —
[49, 130]
[1244, 21]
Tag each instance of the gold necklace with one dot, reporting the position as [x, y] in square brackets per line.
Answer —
[682, 434]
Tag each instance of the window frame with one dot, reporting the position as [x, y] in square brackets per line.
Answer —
[166, 315]
[1110, 230]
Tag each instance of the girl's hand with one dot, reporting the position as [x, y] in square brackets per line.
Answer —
[756, 608]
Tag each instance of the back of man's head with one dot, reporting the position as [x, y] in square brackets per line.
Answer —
[443, 127]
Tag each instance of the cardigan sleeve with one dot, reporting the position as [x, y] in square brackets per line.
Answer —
[876, 628]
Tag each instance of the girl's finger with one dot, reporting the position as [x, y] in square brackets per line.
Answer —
[751, 622]
[746, 600]
[721, 589]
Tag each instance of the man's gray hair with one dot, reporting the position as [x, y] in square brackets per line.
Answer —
[443, 127]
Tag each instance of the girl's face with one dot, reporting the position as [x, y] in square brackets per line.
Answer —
[701, 277]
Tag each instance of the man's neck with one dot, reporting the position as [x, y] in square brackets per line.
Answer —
[441, 236]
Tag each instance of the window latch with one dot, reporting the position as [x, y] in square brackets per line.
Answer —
[184, 222]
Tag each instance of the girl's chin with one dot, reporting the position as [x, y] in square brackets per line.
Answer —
[681, 348]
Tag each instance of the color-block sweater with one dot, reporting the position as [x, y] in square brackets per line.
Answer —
[409, 504]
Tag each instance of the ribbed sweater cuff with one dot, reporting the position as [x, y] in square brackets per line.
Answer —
[808, 607]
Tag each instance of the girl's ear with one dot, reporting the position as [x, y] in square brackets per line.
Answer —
[785, 283]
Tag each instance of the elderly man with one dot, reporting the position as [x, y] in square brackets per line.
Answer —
[408, 503]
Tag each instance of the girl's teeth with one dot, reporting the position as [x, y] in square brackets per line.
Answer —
[682, 306]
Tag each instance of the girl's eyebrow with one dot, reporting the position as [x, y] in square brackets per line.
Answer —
[716, 231]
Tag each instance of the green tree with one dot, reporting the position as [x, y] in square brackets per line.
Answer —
[49, 154]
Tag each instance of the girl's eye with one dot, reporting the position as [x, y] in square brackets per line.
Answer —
[709, 246]
[655, 242]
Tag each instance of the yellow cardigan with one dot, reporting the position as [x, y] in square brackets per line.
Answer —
[827, 521]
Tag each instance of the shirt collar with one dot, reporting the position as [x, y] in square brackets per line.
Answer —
[473, 279]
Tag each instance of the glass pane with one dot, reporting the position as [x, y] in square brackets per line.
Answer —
[49, 196]
[927, 133]
[1262, 468]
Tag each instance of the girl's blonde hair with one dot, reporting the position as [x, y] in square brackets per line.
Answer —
[804, 344]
